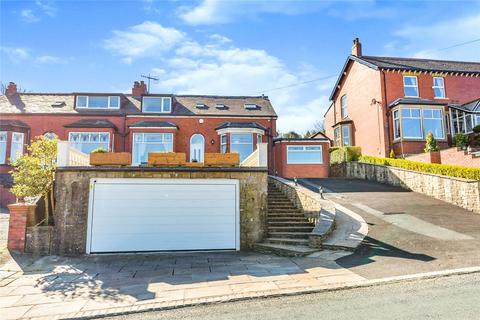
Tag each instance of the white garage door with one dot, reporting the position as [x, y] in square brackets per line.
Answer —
[128, 215]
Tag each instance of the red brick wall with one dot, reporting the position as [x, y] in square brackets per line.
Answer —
[17, 226]
[450, 156]
[283, 169]
[457, 88]
[361, 85]
[413, 147]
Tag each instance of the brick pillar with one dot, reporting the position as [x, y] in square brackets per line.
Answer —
[17, 227]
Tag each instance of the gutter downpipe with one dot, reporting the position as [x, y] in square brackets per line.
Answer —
[387, 113]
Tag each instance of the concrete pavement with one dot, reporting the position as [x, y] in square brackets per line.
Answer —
[408, 232]
[445, 298]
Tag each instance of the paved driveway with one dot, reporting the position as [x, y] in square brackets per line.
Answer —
[408, 232]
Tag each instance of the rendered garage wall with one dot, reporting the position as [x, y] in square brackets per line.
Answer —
[72, 191]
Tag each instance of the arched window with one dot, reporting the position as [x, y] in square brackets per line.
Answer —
[197, 148]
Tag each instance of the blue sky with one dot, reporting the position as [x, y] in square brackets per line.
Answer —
[222, 47]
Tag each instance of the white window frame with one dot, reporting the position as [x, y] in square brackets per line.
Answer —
[477, 119]
[422, 114]
[303, 150]
[162, 104]
[396, 117]
[134, 147]
[13, 156]
[259, 138]
[343, 107]
[421, 123]
[410, 86]
[100, 108]
[91, 132]
[3, 156]
[347, 127]
[439, 87]
[337, 138]
[223, 143]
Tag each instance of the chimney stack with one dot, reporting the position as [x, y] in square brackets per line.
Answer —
[139, 88]
[11, 89]
[356, 48]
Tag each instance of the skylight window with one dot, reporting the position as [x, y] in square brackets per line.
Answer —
[97, 102]
[220, 106]
[201, 105]
[250, 106]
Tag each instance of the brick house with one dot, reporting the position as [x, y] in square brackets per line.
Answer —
[385, 103]
[138, 123]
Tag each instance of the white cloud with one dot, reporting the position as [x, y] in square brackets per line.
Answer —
[29, 16]
[46, 59]
[210, 12]
[16, 54]
[143, 40]
[219, 38]
[432, 40]
[47, 7]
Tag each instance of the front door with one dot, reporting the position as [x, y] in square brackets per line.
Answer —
[197, 148]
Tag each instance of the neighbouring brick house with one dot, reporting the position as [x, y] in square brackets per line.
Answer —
[385, 103]
[138, 123]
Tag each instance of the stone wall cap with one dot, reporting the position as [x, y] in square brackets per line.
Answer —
[162, 169]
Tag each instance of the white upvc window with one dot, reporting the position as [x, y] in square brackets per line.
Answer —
[98, 102]
[259, 138]
[3, 147]
[396, 124]
[241, 143]
[433, 122]
[157, 104]
[337, 137]
[346, 136]
[16, 148]
[477, 120]
[308, 154]
[86, 142]
[439, 87]
[343, 103]
[144, 143]
[411, 123]
[410, 86]
[223, 143]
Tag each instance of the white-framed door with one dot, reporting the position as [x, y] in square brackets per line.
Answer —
[197, 148]
[138, 214]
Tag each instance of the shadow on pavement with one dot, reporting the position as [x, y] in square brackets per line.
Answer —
[374, 248]
[341, 185]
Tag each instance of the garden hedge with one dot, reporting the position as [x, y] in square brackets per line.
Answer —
[441, 169]
[344, 154]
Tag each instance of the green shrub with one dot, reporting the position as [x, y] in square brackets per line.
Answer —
[333, 149]
[345, 154]
[431, 144]
[476, 129]
[441, 169]
[460, 140]
[99, 150]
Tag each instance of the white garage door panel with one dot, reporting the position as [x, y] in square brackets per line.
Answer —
[163, 214]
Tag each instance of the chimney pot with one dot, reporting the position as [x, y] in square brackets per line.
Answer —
[139, 89]
[11, 89]
[357, 48]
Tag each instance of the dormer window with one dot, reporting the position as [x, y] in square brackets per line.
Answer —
[98, 102]
[157, 104]
[250, 106]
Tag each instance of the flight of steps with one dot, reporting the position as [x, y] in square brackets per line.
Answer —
[288, 228]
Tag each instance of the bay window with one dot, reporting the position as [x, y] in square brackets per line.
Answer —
[3, 147]
[223, 143]
[346, 136]
[143, 143]
[410, 86]
[411, 123]
[433, 122]
[16, 148]
[86, 142]
[241, 143]
[337, 137]
[304, 155]
[477, 120]
[396, 124]
[439, 87]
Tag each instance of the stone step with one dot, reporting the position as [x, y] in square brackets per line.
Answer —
[287, 241]
[290, 228]
[290, 223]
[289, 235]
[285, 250]
[285, 215]
[282, 213]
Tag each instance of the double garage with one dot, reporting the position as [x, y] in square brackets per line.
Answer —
[138, 215]
[132, 209]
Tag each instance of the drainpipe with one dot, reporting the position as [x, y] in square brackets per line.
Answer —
[387, 112]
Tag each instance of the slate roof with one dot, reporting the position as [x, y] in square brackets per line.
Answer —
[91, 123]
[153, 124]
[414, 64]
[184, 105]
[398, 101]
[13, 123]
[252, 125]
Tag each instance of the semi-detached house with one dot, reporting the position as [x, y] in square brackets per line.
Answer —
[141, 123]
[386, 103]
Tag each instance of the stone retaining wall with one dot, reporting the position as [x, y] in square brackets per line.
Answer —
[461, 192]
[72, 191]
